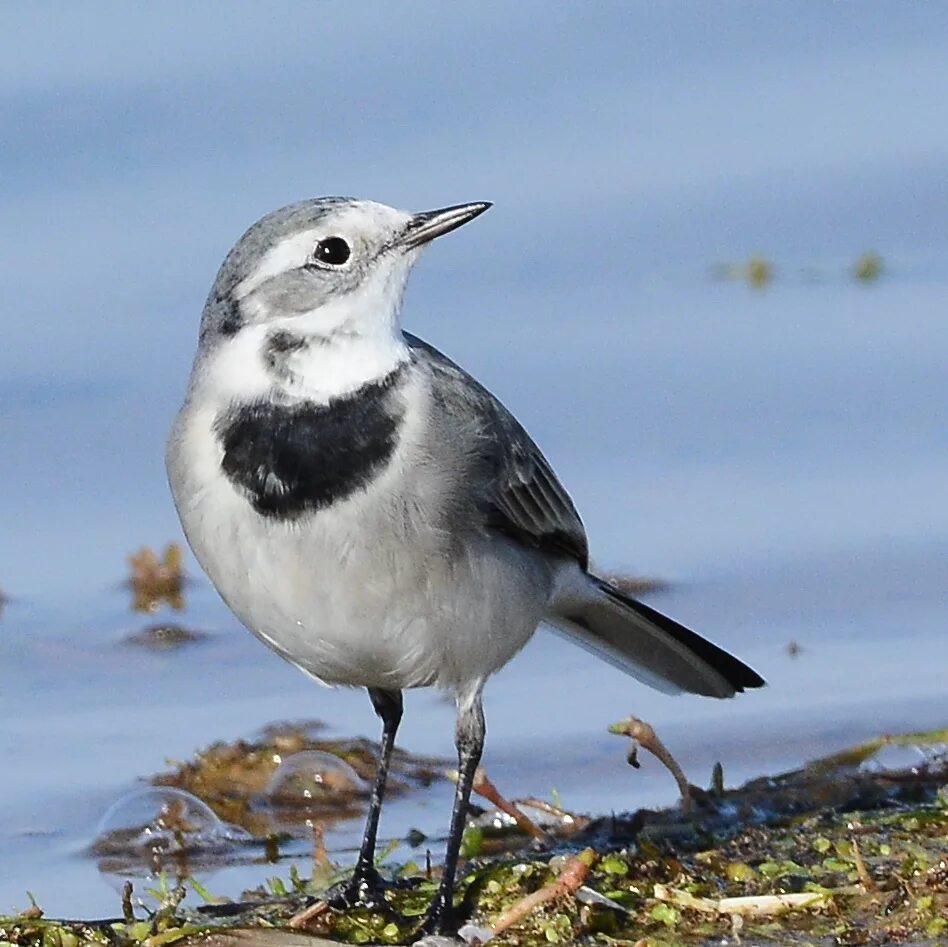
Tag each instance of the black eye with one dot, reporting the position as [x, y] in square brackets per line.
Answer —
[333, 251]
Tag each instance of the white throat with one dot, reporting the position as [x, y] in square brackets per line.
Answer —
[239, 369]
[344, 344]
[322, 370]
[324, 365]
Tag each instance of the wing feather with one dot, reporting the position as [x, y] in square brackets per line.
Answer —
[522, 497]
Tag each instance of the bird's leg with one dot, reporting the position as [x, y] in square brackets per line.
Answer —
[469, 738]
[365, 885]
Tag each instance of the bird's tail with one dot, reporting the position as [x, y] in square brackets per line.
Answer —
[645, 643]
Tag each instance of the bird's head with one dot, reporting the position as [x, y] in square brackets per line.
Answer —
[323, 267]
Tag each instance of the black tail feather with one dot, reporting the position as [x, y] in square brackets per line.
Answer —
[737, 674]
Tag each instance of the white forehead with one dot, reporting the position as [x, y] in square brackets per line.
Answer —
[360, 223]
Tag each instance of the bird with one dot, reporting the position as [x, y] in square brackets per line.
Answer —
[374, 514]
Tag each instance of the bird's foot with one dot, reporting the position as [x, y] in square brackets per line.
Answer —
[366, 888]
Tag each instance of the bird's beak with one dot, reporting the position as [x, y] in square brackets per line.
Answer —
[429, 224]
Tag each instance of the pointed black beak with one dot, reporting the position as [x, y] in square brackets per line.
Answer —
[433, 223]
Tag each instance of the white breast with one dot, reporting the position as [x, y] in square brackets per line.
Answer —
[372, 591]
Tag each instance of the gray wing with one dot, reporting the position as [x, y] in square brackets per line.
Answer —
[522, 497]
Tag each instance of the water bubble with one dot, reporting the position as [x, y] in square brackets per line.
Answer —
[314, 780]
[147, 827]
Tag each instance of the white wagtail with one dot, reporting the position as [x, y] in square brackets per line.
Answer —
[370, 511]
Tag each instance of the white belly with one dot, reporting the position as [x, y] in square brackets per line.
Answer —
[364, 593]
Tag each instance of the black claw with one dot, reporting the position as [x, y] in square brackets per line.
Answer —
[365, 888]
[338, 897]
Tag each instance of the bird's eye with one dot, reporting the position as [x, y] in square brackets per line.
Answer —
[333, 251]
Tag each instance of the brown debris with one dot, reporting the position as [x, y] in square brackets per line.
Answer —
[232, 777]
[165, 636]
[155, 581]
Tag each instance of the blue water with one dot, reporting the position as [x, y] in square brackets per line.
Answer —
[778, 455]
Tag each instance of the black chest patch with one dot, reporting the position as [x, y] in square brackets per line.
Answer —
[299, 458]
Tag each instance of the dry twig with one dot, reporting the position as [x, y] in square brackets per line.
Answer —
[487, 790]
[320, 856]
[865, 879]
[642, 734]
[762, 905]
[570, 879]
[302, 918]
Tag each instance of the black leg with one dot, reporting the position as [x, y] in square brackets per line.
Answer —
[365, 884]
[469, 739]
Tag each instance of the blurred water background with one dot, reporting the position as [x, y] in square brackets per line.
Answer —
[778, 454]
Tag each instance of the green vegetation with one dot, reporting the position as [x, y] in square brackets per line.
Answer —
[838, 852]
